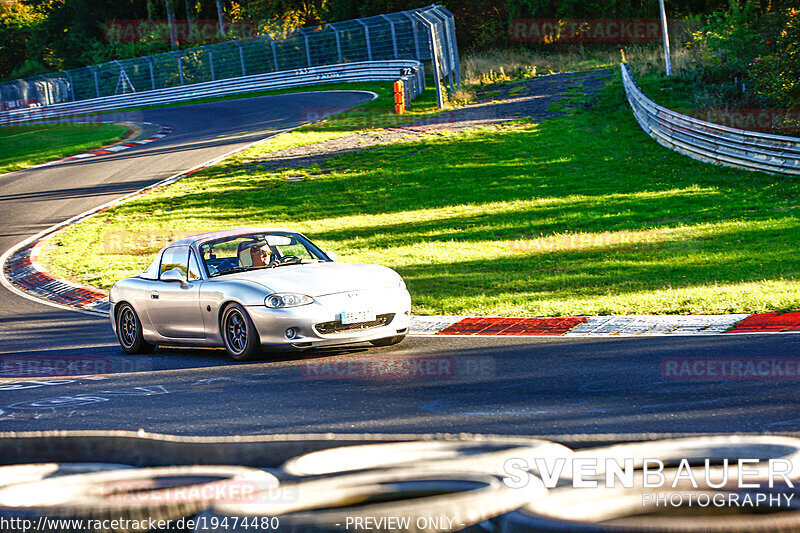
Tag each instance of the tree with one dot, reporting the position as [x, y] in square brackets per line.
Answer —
[221, 17]
[18, 23]
[777, 75]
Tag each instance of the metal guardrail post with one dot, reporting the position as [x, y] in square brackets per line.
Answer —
[210, 62]
[435, 58]
[180, 64]
[308, 47]
[96, 80]
[274, 52]
[450, 24]
[444, 39]
[366, 36]
[394, 35]
[71, 85]
[152, 73]
[414, 31]
[41, 90]
[338, 41]
[241, 57]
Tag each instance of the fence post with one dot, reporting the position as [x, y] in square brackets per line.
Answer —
[366, 35]
[435, 59]
[308, 48]
[152, 74]
[23, 92]
[180, 64]
[96, 81]
[241, 56]
[394, 35]
[338, 42]
[445, 39]
[71, 85]
[210, 62]
[414, 31]
[451, 37]
[274, 52]
[667, 60]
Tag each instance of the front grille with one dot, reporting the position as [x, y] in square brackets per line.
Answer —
[331, 328]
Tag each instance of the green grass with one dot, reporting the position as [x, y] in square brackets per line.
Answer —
[25, 146]
[581, 214]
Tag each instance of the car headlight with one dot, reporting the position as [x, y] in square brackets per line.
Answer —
[287, 299]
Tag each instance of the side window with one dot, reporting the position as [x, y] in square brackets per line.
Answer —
[176, 257]
[194, 267]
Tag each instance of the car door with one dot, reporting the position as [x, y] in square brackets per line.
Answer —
[173, 307]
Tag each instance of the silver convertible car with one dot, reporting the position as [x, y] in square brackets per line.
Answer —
[249, 289]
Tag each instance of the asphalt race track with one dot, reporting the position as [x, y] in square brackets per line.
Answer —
[426, 384]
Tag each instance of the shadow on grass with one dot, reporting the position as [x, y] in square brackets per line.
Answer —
[613, 268]
[466, 196]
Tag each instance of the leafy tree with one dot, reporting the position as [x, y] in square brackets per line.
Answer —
[777, 75]
[18, 24]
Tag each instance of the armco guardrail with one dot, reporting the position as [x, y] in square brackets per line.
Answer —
[424, 34]
[712, 143]
[410, 71]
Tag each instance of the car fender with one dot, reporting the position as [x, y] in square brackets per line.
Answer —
[216, 294]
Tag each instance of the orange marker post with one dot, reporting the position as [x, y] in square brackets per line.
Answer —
[399, 97]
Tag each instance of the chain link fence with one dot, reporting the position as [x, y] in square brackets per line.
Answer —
[426, 34]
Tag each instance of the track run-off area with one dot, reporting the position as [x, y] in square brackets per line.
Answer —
[475, 384]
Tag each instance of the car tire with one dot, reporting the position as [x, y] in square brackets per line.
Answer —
[129, 331]
[388, 341]
[239, 333]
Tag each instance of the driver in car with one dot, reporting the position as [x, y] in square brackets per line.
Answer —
[259, 256]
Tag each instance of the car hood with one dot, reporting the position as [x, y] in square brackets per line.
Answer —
[318, 279]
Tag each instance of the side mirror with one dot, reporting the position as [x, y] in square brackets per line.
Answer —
[174, 275]
[331, 255]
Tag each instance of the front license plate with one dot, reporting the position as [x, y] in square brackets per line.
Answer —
[354, 317]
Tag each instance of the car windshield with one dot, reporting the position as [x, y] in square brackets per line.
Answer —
[258, 250]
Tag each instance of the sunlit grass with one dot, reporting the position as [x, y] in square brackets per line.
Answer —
[493, 66]
[25, 146]
[582, 214]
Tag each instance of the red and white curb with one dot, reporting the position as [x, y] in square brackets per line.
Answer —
[163, 131]
[24, 275]
[606, 326]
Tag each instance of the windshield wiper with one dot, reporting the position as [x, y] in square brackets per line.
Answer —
[236, 269]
